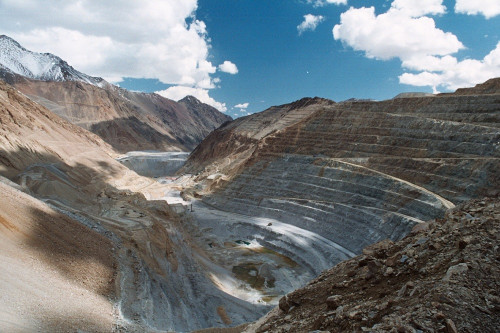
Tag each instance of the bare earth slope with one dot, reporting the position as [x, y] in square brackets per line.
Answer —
[56, 275]
[444, 277]
[159, 283]
[30, 133]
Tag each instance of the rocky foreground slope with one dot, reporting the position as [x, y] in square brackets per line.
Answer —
[126, 120]
[443, 277]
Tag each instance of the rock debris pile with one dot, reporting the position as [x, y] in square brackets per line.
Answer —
[443, 277]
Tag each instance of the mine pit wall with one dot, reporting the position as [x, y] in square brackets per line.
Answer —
[180, 300]
[361, 172]
[346, 204]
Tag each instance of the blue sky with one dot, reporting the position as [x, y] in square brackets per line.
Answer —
[246, 55]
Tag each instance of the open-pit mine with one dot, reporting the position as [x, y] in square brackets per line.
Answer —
[93, 238]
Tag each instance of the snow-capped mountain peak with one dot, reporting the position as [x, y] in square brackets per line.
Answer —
[39, 66]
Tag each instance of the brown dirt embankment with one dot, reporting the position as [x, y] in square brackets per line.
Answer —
[55, 274]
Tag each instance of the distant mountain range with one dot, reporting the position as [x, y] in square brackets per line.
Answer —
[126, 120]
[39, 66]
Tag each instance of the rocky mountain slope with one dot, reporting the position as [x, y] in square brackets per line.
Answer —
[443, 277]
[29, 133]
[349, 174]
[126, 120]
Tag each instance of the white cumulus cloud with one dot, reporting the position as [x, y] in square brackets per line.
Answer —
[179, 92]
[321, 3]
[242, 106]
[159, 39]
[310, 23]
[393, 34]
[426, 52]
[228, 67]
[449, 73]
[419, 8]
[488, 8]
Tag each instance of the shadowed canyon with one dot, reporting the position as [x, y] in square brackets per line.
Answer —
[107, 223]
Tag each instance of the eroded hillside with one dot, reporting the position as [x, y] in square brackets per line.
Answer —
[159, 283]
[124, 119]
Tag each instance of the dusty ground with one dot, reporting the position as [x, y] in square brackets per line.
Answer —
[55, 274]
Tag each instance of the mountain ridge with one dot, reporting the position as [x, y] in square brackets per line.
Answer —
[40, 66]
[127, 120]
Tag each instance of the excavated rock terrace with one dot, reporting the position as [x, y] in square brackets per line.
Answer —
[349, 174]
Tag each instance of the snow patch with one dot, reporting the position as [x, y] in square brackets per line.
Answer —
[40, 66]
